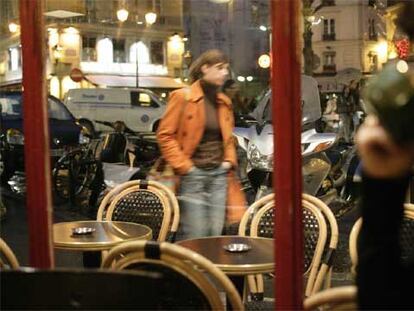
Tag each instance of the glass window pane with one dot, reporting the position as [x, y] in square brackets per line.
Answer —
[112, 66]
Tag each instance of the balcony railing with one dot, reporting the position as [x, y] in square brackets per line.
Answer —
[329, 68]
[328, 37]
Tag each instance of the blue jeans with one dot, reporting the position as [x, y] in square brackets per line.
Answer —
[202, 198]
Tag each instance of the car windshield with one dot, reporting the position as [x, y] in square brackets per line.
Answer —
[57, 110]
[11, 108]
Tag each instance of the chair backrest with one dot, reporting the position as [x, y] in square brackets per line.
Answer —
[406, 236]
[175, 208]
[325, 270]
[315, 235]
[245, 222]
[337, 298]
[145, 202]
[79, 289]
[318, 272]
[143, 206]
[7, 257]
[188, 275]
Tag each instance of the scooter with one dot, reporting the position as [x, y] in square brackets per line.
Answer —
[125, 154]
[257, 142]
[324, 165]
[329, 170]
[116, 157]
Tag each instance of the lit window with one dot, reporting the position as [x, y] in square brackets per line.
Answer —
[105, 50]
[55, 87]
[14, 56]
[139, 50]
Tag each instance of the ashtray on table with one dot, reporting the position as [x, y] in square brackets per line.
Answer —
[237, 247]
[83, 231]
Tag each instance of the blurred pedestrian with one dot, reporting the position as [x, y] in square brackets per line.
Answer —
[356, 109]
[232, 90]
[330, 116]
[384, 279]
[346, 108]
[195, 138]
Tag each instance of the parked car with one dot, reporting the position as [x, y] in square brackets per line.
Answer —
[64, 132]
[140, 109]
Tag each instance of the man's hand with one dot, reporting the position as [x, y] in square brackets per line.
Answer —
[381, 156]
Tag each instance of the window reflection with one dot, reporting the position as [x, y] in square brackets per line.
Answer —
[89, 47]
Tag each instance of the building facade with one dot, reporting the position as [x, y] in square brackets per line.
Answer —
[349, 41]
[88, 35]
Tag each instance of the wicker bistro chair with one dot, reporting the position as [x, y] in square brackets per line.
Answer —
[319, 222]
[244, 230]
[315, 235]
[188, 276]
[245, 222]
[7, 258]
[406, 236]
[337, 298]
[145, 202]
[325, 270]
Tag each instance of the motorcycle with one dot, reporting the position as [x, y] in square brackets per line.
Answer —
[85, 174]
[325, 163]
[257, 142]
[125, 154]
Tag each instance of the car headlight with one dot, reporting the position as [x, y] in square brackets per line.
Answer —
[84, 136]
[14, 137]
[258, 160]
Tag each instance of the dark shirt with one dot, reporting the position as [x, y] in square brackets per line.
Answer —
[210, 152]
[384, 280]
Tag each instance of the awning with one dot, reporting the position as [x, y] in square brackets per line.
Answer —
[130, 81]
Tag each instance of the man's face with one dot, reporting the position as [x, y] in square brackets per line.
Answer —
[215, 74]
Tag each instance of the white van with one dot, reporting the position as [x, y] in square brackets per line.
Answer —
[140, 109]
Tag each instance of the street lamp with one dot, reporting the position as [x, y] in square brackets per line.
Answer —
[150, 18]
[262, 27]
[122, 15]
[13, 27]
[264, 61]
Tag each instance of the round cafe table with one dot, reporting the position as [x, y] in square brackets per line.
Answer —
[105, 235]
[258, 259]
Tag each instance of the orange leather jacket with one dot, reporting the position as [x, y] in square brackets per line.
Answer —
[181, 130]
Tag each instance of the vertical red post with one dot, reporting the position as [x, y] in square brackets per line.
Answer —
[285, 81]
[36, 134]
